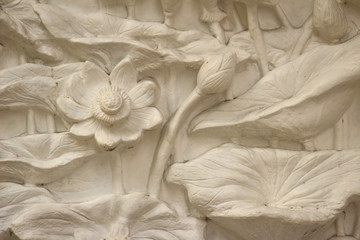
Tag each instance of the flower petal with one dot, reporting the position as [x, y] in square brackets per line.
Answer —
[85, 234]
[143, 94]
[73, 110]
[94, 76]
[79, 91]
[129, 132]
[146, 118]
[85, 129]
[107, 138]
[124, 75]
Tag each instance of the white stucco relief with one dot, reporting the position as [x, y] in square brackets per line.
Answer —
[179, 119]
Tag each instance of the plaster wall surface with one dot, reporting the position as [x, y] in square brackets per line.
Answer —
[179, 120]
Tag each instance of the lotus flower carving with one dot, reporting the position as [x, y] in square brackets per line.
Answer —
[115, 109]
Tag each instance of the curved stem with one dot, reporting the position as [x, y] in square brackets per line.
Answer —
[256, 34]
[282, 16]
[166, 145]
[117, 173]
[303, 39]
[100, 5]
[217, 30]
[356, 233]
[50, 122]
[30, 122]
[130, 6]
[309, 145]
[339, 135]
[340, 225]
[170, 7]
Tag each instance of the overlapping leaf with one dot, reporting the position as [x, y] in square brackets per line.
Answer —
[133, 216]
[296, 101]
[40, 159]
[27, 85]
[113, 38]
[252, 191]
[60, 23]
[14, 199]
[32, 85]
[18, 20]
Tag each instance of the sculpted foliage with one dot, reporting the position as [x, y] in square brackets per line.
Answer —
[179, 120]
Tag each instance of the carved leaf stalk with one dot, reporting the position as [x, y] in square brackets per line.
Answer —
[257, 35]
[166, 145]
[280, 13]
[31, 128]
[108, 103]
[356, 233]
[215, 76]
[340, 229]
[170, 7]
[130, 6]
[117, 173]
[302, 40]
[50, 122]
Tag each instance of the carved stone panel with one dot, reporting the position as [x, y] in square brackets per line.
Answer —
[179, 120]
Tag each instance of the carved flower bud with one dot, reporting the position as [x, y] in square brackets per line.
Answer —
[329, 20]
[216, 73]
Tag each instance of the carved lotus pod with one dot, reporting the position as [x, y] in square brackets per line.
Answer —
[216, 73]
[329, 20]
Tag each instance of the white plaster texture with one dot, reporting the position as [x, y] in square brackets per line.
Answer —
[179, 120]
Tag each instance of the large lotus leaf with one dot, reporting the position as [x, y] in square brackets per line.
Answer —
[88, 182]
[253, 191]
[108, 51]
[18, 20]
[32, 85]
[60, 23]
[298, 100]
[27, 85]
[14, 198]
[133, 216]
[42, 158]
[118, 37]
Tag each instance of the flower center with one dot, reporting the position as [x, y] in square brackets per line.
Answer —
[110, 100]
[111, 104]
